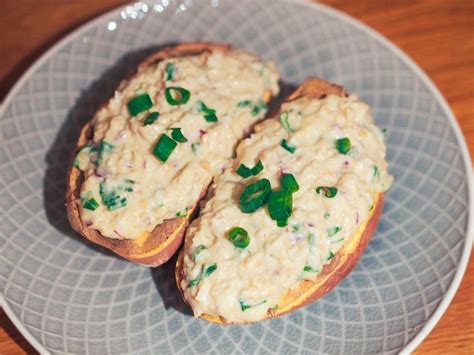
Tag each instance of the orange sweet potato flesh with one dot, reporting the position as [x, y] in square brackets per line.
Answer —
[159, 246]
[344, 260]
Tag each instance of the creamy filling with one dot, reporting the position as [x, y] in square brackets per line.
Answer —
[127, 190]
[242, 284]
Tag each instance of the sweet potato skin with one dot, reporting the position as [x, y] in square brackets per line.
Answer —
[160, 245]
[344, 260]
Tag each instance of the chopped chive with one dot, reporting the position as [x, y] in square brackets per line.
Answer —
[376, 172]
[260, 106]
[333, 231]
[308, 268]
[152, 117]
[90, 204]
[164, 148]
[111, 197]
[289, 183]
[181, 214]
[288, 146]
[211, 118]
[254, 195]
[139, 104]
[177, 96]
[177, 135]
[195, 147]
[205, 272]
[343, 145]
[244, 305]
[327, 191]
[246, 172]
[239, 237]
[280, 205]
[129, 185]
[244, 103]
[284, 120]
[169, 70]
[331, 255]
[104, 147]
[199, 249]
[195, 281]
[209, 113]
[210, 269]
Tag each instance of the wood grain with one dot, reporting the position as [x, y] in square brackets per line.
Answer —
[437, 34]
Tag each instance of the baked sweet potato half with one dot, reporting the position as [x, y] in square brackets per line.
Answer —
[250, 257]
[148, 155]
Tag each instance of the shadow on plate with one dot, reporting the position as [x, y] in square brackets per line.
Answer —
[62, 150]
[165, 283]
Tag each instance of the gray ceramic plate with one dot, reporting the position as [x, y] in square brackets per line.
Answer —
[66, 295]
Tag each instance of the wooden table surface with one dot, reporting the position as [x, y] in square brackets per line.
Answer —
[437, 34]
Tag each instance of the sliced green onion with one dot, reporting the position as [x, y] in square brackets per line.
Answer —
[209, 113]
[288, 146]
[90, 204]
[308, 268]
[177, 135]
[343, 145]
[139, 104]
[210, 269]
[257, 168]
[244, 103]
[254, 195]
[331, 255]
[246, 172]
[177, 96]
[288, 182]
[327, 191]
[239, 237]
[164, 148]
[282, 223]
[333, 231]
[284, 120]
[152, 117]
[280, 204]
[169, 70]
[260, 106]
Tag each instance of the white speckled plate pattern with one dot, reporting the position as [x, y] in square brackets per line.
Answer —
[69, 296]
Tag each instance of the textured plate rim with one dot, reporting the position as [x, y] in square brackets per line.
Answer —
[381, 39]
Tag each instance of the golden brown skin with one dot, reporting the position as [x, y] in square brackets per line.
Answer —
[157, 247]
[344, 260]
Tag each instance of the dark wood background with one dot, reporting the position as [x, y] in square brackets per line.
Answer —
[437, 34]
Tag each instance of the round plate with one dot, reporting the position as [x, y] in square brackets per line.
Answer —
[67, 295]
